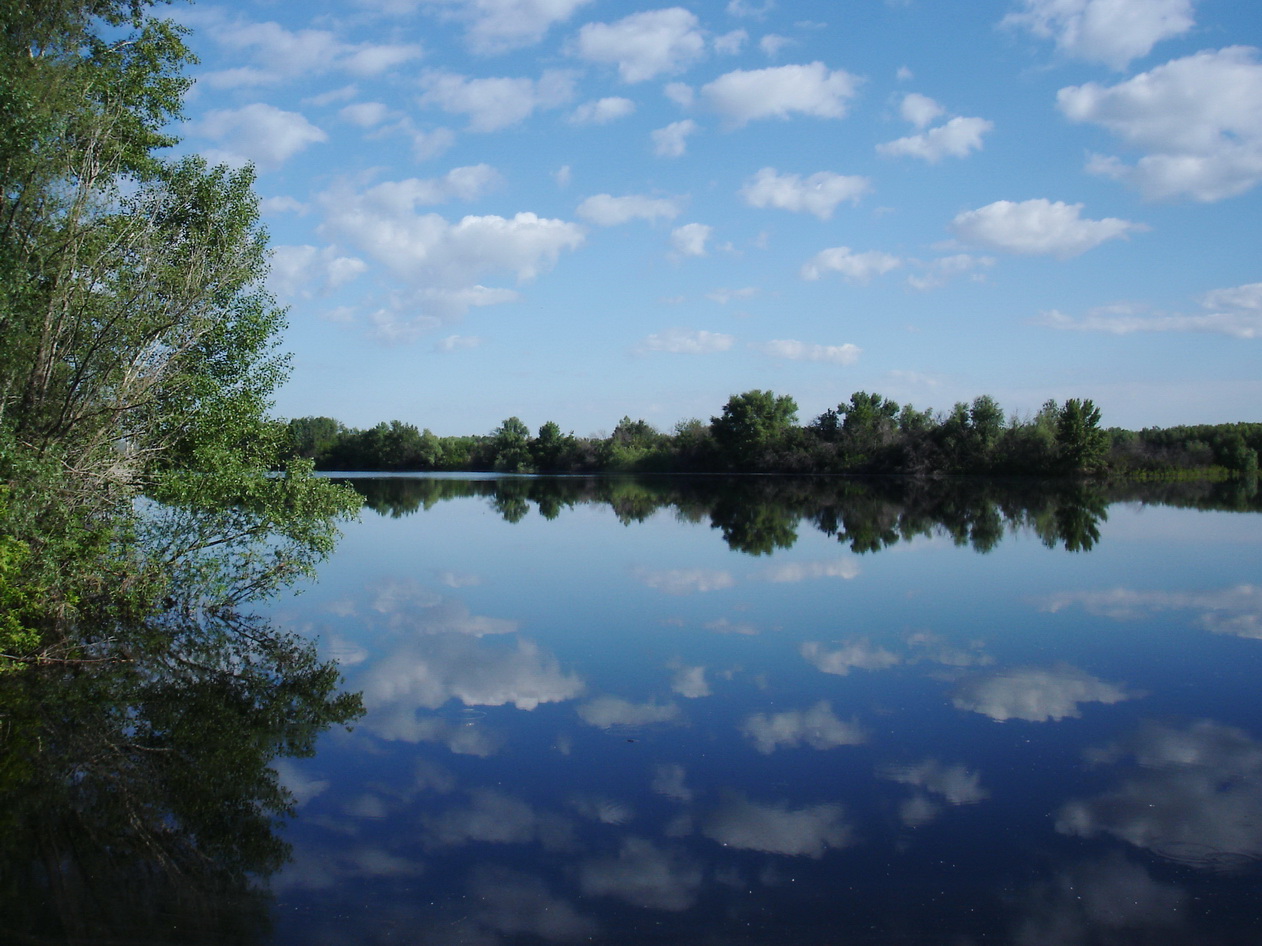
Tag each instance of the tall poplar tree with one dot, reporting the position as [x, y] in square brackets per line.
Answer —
[139, 352]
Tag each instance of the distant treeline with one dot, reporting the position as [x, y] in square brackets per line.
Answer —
[759, 432]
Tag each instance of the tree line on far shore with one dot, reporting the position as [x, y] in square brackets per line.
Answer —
[759, 432]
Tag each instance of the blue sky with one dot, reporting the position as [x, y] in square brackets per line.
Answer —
[572, 210]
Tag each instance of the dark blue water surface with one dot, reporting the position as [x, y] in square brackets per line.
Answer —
[602, 711]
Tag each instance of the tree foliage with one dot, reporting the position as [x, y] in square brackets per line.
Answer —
[140, 345]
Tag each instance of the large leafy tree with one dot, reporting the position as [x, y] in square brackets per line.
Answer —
[139, 349]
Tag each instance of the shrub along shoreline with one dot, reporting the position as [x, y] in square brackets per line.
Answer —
[759, 432]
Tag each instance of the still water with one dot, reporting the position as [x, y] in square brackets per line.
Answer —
[782, 713]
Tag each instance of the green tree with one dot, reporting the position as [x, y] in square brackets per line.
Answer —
[753, 426]
[1081, 445]
[511, 445]
[139, 346]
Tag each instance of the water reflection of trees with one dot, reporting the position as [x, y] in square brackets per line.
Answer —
[137, 798]
[758, 515]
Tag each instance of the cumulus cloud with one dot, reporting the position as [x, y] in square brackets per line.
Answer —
[443, 261]
[690, 239]
[425, 672]
[495, 103]
[919, 109]
[1236, 610]
[644, 875]
[809, 831]
[261, 134]
[495, 26]
[955, 139]
[1037, 227]
[605, 210]
[602, 111]
[671, 781]
[1112, 32]
[817, 727]
[672, 140]
[690, 682]
[805, 571]
[644, 45]
[1190, 793]
[814, 90]
[793, 350]
[942, 270]
[682, 341]
[856, 267]
[607, 712]
[818, 194]
[860, 653]
[493, 817]
[1036, 694]
[955, 784]
[516, 904]
[303, 272]
[1198, 119]
[281, 54]
[1236, 312]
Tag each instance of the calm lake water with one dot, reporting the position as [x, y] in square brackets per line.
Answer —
[678, 711]
[780, 712]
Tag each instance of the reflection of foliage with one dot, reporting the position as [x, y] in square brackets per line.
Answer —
[754, 528]
[137, 797]
[757, 515]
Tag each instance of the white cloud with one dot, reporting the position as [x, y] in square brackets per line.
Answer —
[303, 272]
[607, 712]
[1035, 227]
[496, 26]
[772, 43]
[672, 141]
[940, 271]
[457, 343]
[724, 296]
[644, 45]
[517, 905]
[919, 109]
[492, 817]
[817, 727]
[860, 653]
[1112, 32]
[781, 91]
[956, 784]
[1236, 610]
[605, 210]
[956, 139]
[686, 581]
[496, 103]
[365, 114]
[434, 254]
[671, 781]
[1191, 793]
[1198, 118]
[260, 134]
[644, 875]
[690, 682]
[1036, 694]
[804, 571]
[818, 194]
[793, 350]
[858, 267]
[281, 54]
[809, 831]
[690, 239]
[602, 111]
[729, 44]
[682, 341]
